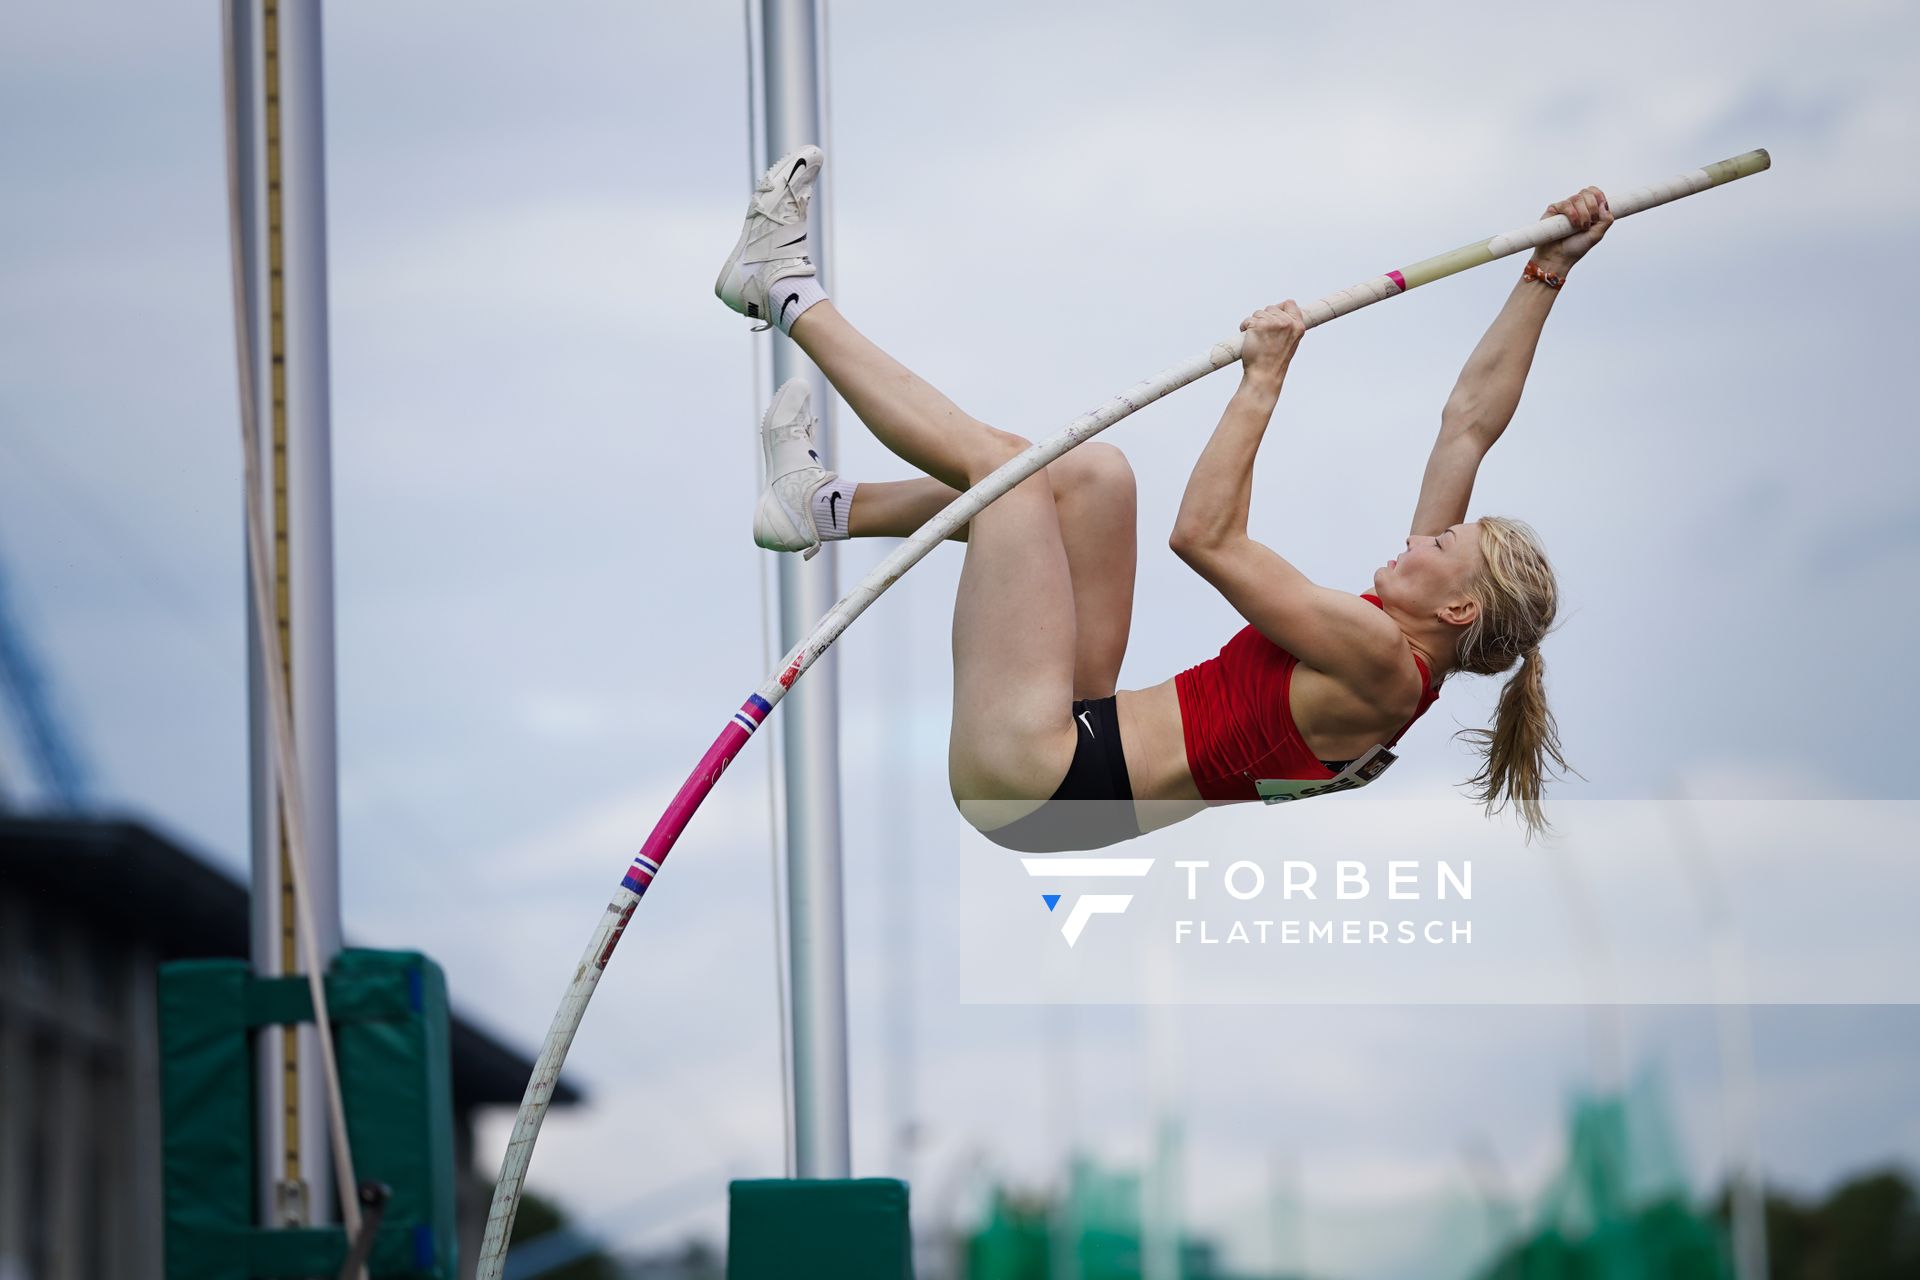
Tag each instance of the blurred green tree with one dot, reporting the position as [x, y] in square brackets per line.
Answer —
[1868, 1228]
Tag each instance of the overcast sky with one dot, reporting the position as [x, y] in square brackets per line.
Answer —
[545, 461]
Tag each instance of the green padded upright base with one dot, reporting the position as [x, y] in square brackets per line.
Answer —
[391, 1038]
[801, 1228]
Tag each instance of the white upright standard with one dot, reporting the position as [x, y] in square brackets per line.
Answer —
[277, 103]
[810, 732]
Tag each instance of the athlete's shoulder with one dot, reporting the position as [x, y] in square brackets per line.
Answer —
[1398, 672]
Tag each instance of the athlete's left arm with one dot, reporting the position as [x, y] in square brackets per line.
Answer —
[1488, 391]
[1329, 630]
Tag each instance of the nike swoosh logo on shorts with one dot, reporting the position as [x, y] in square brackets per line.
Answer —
[1089, 723]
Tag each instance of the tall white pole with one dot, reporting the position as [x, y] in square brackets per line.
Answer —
[810, 735]
[284, 248]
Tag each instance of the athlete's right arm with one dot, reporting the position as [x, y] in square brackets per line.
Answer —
[1220, 491]
[1334, 631]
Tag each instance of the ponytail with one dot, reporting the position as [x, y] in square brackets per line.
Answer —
[1518, 598]
[1515, 752]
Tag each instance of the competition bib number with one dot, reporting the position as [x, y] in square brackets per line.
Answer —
[1358, 774]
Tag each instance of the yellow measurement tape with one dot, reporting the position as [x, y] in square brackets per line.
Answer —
[282, 568]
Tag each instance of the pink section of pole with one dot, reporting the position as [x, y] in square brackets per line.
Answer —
[686, 801]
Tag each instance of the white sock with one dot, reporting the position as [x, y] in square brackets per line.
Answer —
[790, 298]
[832, 505]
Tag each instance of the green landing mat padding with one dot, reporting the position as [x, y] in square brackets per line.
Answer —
[391, 1033]
[796, 1228]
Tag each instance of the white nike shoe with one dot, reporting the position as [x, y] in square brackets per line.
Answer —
[773, 243]
[783, 520]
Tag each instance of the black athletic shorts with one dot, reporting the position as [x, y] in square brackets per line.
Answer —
[1093, 806]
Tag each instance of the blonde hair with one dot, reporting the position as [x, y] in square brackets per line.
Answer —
[1518, 599]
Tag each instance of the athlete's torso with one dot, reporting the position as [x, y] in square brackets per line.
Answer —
[1238, 723]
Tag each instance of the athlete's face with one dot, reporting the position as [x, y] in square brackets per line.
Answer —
[1434, 570]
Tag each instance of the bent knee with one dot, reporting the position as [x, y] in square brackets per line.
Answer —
[991, 449]
[1008, 441]
[1095, 464]
[1001, 446]
[995, 448]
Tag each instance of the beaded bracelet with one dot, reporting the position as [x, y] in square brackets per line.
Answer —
[1533, 272]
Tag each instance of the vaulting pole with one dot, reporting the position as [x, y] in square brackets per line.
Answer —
[759, 704]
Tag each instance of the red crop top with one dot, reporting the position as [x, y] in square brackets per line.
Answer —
[1236, 715]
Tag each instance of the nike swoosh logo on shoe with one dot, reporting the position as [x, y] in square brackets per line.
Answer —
[798, 165]
[789, 244]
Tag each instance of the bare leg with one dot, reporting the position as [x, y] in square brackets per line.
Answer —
[904, 412]
[897, 508]
[1014, 632]
[1093, 492]
[1100, 525]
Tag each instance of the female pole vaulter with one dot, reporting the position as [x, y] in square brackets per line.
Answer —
[1306, 700]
